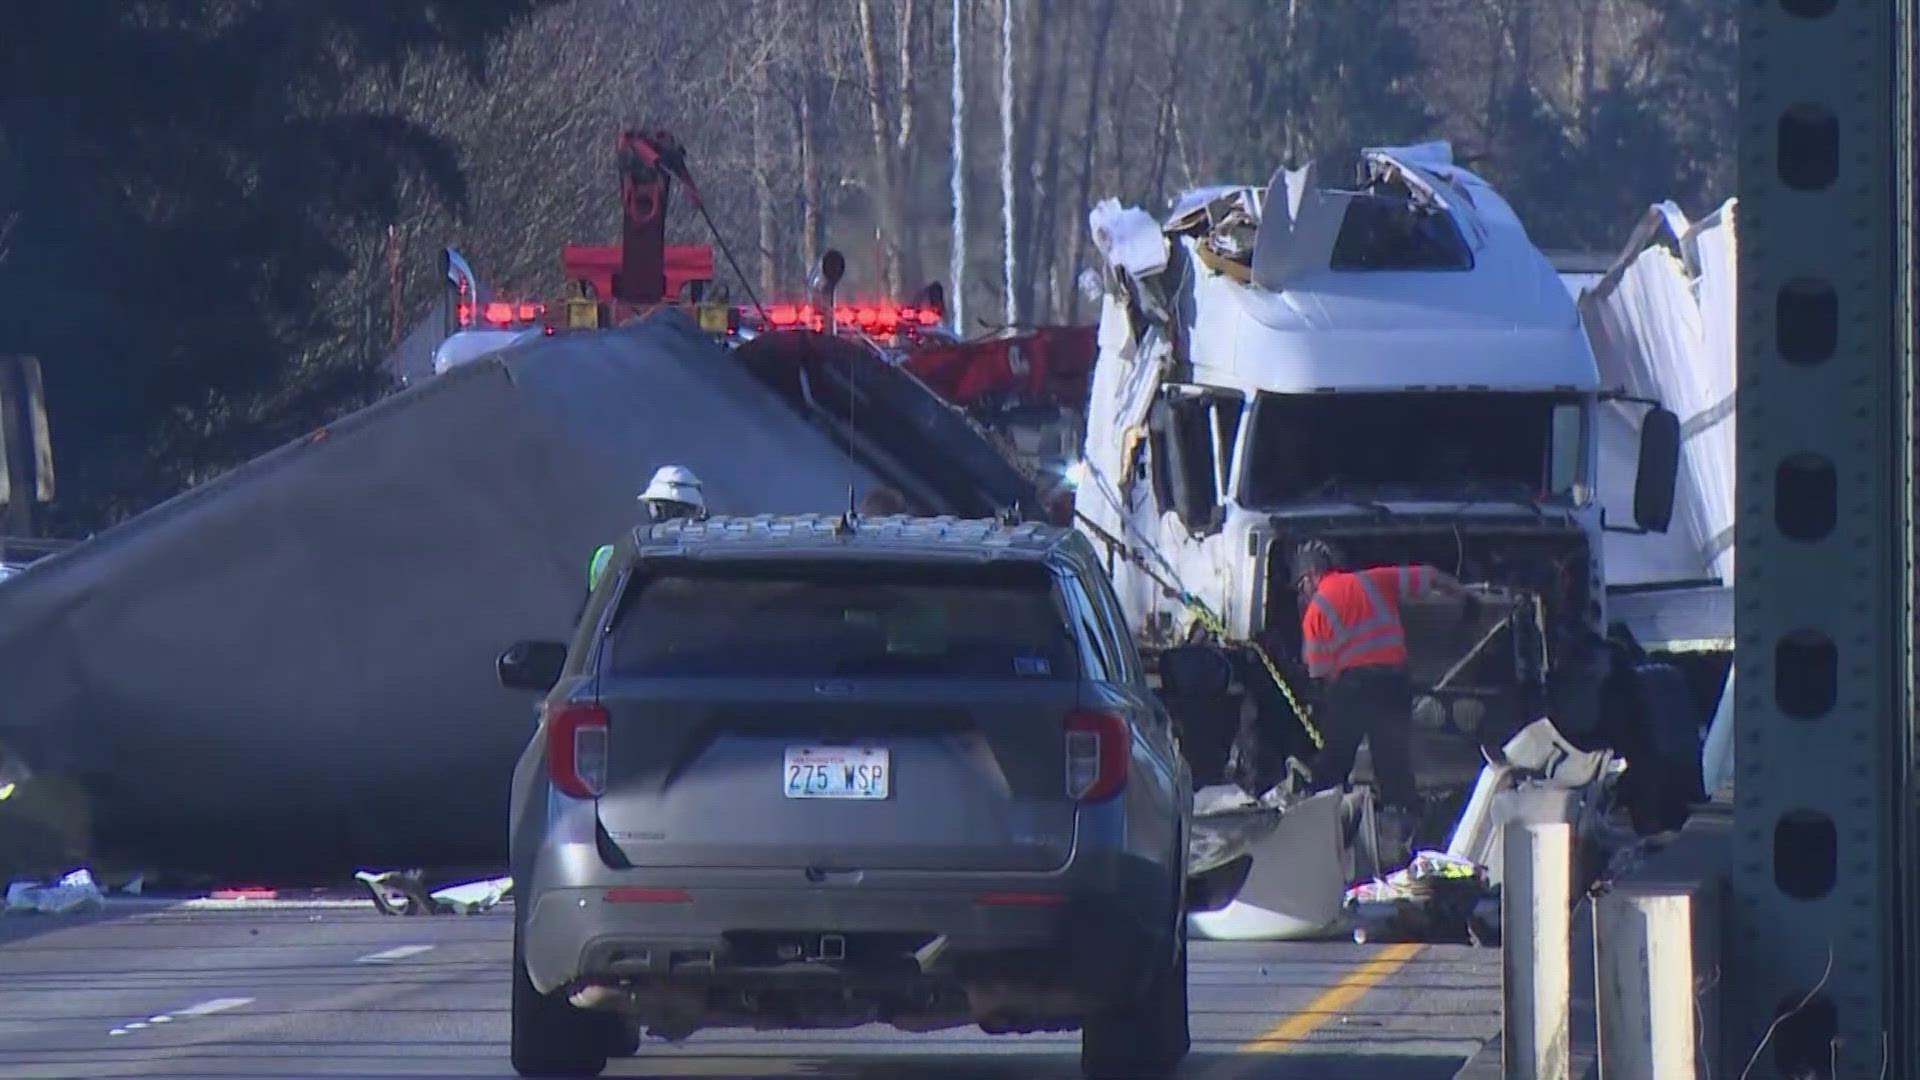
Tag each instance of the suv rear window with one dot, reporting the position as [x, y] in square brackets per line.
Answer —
[842, 619]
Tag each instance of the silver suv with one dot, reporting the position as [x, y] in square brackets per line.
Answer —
[807, 772]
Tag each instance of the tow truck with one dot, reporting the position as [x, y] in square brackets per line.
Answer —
[606, 284]
[845, 365]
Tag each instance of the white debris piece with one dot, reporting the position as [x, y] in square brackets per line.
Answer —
[395, 893]
[401, 893]
[474, 897]
[74, 893]
[1220, 799]
[1128, 237]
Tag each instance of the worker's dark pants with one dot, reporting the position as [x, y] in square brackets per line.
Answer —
[1375, 704]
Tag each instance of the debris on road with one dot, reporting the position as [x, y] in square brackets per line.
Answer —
[1433, 897]
[1301, 886]
[403, 892]
[1220, 799]
[474, 897]
[76, 892]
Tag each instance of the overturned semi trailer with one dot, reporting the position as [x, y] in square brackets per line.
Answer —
[288, 672]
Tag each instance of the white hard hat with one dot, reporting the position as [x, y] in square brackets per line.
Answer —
[677, 484]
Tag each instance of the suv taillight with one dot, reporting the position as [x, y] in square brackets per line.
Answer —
[577, 750]
[1099, 746]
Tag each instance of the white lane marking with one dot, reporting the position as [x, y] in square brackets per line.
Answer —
[398, 953]
[210, 904]
[205, 1008]
[208, 1008]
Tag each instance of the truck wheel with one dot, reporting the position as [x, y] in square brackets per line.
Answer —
[550, 1037]
[1146, 1040]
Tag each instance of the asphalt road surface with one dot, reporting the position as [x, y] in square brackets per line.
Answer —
[273, 991]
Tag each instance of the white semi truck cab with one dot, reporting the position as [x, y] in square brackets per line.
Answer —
[1385, 362]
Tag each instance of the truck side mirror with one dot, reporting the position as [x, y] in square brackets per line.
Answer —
[1659, 471]
[1183, 449]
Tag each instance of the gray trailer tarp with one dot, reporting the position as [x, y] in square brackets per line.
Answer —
[290, 669]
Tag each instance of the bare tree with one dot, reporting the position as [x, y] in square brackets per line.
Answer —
[885, 153]
[1090, 142]
[1008, 219]
[767, 212]
[957, 148]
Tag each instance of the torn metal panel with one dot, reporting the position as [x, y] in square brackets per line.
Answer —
[1298, 881]
[1663, 325]
[1297, 234]
[1128, 238]
[1678, 620]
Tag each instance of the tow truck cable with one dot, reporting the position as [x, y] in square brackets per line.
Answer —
[1213, 625]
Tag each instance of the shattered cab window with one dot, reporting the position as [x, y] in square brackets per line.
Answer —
[1315, 447]
[1385, 231]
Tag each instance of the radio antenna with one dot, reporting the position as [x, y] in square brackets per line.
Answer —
[826, 278]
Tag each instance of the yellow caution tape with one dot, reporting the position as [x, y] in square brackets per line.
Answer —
[1219, 629]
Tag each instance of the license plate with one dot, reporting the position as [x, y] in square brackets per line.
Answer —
[837, 772]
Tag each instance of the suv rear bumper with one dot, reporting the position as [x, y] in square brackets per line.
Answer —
[1099, 931]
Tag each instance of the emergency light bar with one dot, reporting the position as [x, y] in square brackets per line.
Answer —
[868, 318]
[500, 314]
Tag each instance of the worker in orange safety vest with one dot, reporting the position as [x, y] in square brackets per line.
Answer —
[1353, 640]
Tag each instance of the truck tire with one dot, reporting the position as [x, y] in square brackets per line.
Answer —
[1148, 1039]
[551, 1038]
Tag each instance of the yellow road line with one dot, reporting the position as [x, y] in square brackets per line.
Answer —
[1334, 1000]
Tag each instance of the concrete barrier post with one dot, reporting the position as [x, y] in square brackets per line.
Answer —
[1536, 916]
[1656, 957]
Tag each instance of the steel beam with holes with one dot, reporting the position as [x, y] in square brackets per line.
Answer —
[1822, 594]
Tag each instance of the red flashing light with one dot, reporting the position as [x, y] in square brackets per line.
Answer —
[464, 314]
[878, 318]
[530, 312]
[499, 314]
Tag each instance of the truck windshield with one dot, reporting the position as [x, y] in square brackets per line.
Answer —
[843, 618]
[1438, 445]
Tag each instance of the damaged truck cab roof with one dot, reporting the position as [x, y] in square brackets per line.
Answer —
[1417, 277]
